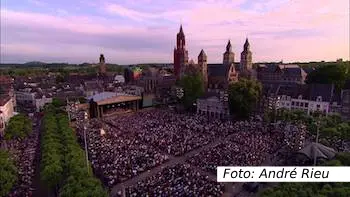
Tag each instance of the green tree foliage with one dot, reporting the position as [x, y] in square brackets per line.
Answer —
[60, 79]
[243, 97]
[332, 128]
[64, 168]
[82, 100]
[193, 87]
[8, 173]
[18, 127]
[313, 189]
[79, 181]
[56, 102]
[52, 154]
[336, 73]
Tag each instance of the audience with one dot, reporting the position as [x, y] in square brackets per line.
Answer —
[133, 143]
[179, 180]
[23, 152]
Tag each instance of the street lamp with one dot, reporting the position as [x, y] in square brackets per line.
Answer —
[317, 136]
[86, 151]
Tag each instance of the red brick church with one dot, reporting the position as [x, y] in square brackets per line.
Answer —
[216, 76]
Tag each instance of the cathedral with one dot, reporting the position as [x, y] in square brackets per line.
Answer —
[216, 77]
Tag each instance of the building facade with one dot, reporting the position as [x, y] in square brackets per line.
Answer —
[286, 74]
[345, 101]
[203, 66]
[309, 98]
[213, 105]
[6, 112]
[180, 54]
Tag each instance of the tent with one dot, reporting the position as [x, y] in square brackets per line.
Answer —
[320, 150]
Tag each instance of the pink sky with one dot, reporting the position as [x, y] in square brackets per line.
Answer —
[145, 30]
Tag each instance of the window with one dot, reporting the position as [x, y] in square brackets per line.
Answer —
[292, 102]
[306, 104]
[318, 106]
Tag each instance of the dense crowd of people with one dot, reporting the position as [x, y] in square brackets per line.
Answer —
[23, 152]
[122, 147]
[248, 147]
[177, 134]
[295, 136]
[117, 156]
[179, 180]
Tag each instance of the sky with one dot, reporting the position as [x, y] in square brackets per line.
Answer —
[144, 31]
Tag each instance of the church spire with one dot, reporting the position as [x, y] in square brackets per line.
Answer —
[246, 44]
[228, 46]
[202, 53]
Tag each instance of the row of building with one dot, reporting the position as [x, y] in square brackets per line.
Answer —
[283, 85]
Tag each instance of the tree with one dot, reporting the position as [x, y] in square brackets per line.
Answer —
[60, 79]
[57, 102]
[19, 127]
[335, 73]
[63, 164]
[193, 87]
[82, 99]
[8, 173]
[243, 97]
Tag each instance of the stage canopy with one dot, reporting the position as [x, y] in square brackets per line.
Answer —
[320, 150]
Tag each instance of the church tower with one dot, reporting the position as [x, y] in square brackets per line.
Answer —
[246, 58]
[102, 65]
[180, 54]
[203, 66]
[229, 56]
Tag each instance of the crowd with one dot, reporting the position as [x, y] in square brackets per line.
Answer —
[117, 156]
[136, 142]
[176, 134]
[249, 147]
[179, 180]
[295, 136]
[23, 152]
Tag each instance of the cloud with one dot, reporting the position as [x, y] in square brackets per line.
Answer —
[62, 11]
[129, 13]
[37, 3]
[141, 29]
[58, 35]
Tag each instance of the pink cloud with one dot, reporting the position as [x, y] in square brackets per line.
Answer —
[297, 30]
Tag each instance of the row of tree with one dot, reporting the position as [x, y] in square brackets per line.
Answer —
[18, 127]
[332, 73]
[63, 167]
[8, 173]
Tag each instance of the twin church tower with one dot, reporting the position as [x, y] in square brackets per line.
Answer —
[181, 58]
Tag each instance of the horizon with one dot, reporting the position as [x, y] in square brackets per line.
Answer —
[131, 32]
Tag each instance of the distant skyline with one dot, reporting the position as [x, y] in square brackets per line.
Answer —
[139, 31]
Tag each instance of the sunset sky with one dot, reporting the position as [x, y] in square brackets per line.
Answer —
[140, 31]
